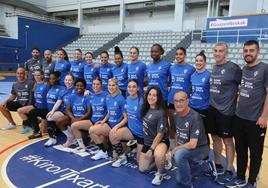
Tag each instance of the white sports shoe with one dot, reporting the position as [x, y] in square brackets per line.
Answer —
[157, 179]
[100, 155]
[120, 161]
[50, 142]
[70, 141]
[9, 127]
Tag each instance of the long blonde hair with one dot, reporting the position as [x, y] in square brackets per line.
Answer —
[114, 80]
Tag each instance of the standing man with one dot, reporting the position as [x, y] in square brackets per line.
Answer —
[251, 114]
[224, 81]
[33, 64]
[47, 64]
[21, 95]
[191, 139]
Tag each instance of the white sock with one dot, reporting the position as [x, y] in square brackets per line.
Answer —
[80, 142]
[68, 133]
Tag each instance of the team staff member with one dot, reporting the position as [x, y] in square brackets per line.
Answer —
[120, 71]
[62, 65]
[224, 81]
[21, 95]
[106, 70]
[134, 129]
[91, 71]
[48, 64]
[77, 66]
[191, 139]
[114, 120]
[251, 116]
[33, 64]
[136, 69]
[156, 142]
[199, 98]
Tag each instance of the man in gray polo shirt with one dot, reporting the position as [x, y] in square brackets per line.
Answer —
[251, 114]
[224, 81]
[47, 64]
[191, 139]
[21, 95]
[33, 64]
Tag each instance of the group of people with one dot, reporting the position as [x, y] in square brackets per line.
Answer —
[169, 109]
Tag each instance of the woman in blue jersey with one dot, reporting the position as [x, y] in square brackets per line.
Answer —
[134, 129]
[40, 91]
[62, 65]
[120, 70]
[91, 71]
[136, 68]
[158, 71]
[57, 113]
[77, 66]
[199, 98]
[115, 119]
[45, 103]
[106, 70]
[78, 110]
[156, 142]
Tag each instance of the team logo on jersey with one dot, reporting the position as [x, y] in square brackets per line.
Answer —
[57, 90]
[159, 68]
[91, 69]
[137, 68]
[122, 70]
[150, 116]
[115, 103]
[197, 132]
[186, 124]
[135, 108]
[108, 70]
[185, 71]
[161, 126]
[256, 73]
[203, 79]
[222, 71]
[62, 65]
[102, 99]
[83, 99]
[26, 86]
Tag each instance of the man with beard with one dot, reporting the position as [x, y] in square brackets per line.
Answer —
[47, 64]
[33, 64]
[251, 114]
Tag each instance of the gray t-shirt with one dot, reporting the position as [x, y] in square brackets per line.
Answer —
[154, 122]
[252, 91]
[48, 67]
[30, 66]
[23, 91]
[189, 126]
[224, 82]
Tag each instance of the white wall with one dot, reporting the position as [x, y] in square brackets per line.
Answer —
[195, 18]
[242, 7]
[262, 6]
[39, 3]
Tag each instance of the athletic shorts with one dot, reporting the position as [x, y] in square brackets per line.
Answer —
[13, 106]
[146, 148]
[219, 124]
[139, 139]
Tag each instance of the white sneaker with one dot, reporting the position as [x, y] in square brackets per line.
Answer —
[79, 150]
[120, 161]
[157, 179]
[50, 142]
[70, 141]
[100, 155]
[9, 127]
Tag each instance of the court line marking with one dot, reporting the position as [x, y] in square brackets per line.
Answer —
[82, 171]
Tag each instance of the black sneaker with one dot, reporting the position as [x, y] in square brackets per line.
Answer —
[35, 135]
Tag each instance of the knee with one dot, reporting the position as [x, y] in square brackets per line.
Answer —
[91, 131]
[228, 142]
[142, 169]
[159, 155]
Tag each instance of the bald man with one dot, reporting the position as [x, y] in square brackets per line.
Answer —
[21, 95]
[47, 64]
[191, 139]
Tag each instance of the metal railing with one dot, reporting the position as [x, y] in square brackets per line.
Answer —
[260, 34]
[30, 15]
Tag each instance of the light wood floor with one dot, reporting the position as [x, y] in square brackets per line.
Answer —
[11, 137]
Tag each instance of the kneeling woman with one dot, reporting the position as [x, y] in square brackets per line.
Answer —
[134, 128]
[78, 110]
[156, 142]
[115, 119]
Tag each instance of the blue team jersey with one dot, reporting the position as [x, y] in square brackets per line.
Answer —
[77, 69]
[65, 98]
[53, 94]
[116, 107]
[180, 76]
[98, 105]
[64, 68]
[106, 72]
[133, 108]
[120, 73]
[158, 75]
[137, 71]
[79, 105]
[40, 94]
[90, 72]
[199, 98]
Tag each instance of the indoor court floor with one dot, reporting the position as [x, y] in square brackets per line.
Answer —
[27, 163]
